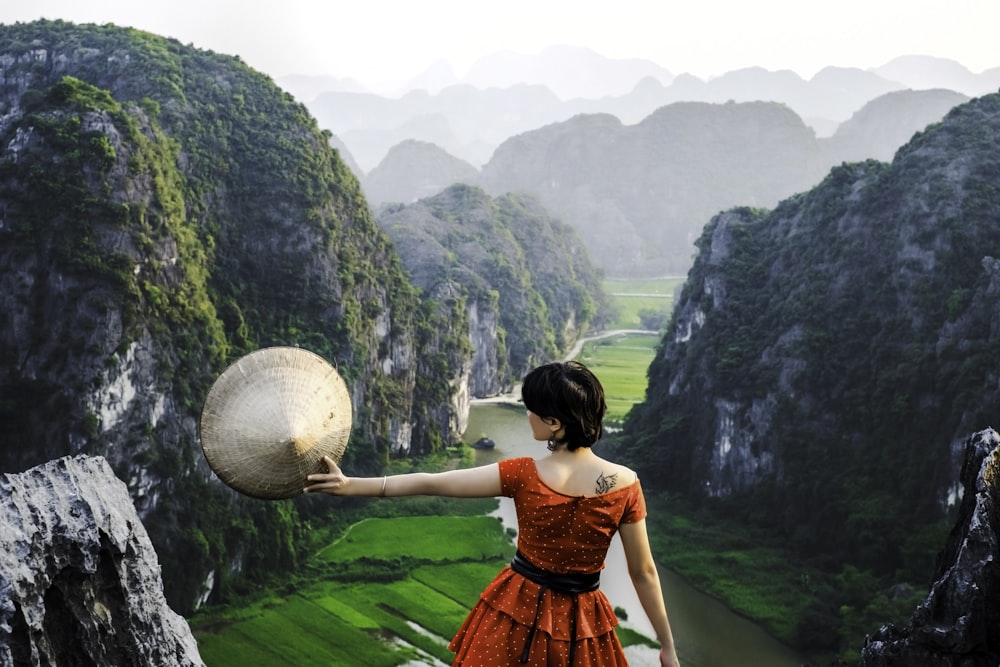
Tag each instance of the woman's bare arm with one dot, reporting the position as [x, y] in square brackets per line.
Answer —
[646, 580]
[480, 482]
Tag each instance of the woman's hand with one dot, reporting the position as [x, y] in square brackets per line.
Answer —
[668, 658]
[333, 481]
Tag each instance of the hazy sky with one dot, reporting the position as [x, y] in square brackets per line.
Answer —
[389, 41]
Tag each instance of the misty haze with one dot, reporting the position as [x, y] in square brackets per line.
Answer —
[787, 287]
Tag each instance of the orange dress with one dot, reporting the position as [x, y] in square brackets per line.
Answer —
[561, 534]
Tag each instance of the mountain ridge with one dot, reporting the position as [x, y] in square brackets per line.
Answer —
[607, 179]
[478, 118]
[542, 67]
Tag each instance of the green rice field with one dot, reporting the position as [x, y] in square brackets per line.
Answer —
[387, 592]
[423, 535]
[620, 361]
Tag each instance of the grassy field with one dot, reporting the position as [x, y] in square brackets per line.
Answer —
[388, 591]
[748, 572]
[632, 297]
[427, 538]
[620, 362]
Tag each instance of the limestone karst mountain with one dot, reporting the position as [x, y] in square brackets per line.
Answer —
[413, 170]
[638, 195]
[476, 114]
[882, 126]
[926, 72]
[571, 72]
[505, 265]
[162, 211]
[828, 358]
[466, 122]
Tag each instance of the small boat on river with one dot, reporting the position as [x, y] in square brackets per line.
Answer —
[484, 443]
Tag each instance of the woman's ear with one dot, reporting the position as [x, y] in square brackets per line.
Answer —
[553, 423]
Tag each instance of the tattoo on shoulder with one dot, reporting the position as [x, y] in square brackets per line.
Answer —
[606, 482]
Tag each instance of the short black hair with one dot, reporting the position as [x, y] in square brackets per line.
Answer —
[570, 392]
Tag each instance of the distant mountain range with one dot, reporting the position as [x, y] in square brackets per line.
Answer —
[535, 123]
[568, 71]
[572, 72]
[506, 94]
[638, 195]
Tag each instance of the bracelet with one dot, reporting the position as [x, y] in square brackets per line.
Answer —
[384, 480]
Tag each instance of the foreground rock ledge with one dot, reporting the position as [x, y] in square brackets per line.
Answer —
[79, 579]
[958, 624]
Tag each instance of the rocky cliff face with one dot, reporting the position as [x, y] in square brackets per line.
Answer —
[485, 378]
[162, 211]
[79, 579]
[958, 624]
[828, 358]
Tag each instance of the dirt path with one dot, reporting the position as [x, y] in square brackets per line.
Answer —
[575, 350]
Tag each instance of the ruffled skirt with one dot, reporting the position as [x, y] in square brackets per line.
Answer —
[496, 630]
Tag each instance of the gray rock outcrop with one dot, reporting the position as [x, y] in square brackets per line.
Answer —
[958, 624]
[79, 579]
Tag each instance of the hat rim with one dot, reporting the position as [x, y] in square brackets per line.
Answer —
[270, 418]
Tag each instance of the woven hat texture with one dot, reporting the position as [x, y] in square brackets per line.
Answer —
[271, 417]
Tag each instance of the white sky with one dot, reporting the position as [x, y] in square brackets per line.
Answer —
[390, 41]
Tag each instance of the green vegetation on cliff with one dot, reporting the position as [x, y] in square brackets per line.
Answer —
[825, 359]
[525, 272]
[165, 210]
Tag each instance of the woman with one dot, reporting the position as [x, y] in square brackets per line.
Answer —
[545, 608]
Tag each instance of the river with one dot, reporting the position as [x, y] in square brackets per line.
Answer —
[706, 632]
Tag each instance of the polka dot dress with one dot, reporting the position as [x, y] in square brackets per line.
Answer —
[562, 534]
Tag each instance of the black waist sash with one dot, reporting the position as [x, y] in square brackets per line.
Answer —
[572, 584]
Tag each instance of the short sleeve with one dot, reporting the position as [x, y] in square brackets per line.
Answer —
[512, 475]
[635, 506]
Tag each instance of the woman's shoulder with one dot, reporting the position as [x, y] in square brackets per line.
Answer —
[624, 474]
[515, 473]
[614, 477]
[516, 461]
[515, 465]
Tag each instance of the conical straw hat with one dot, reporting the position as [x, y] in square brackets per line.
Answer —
[271, 417]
